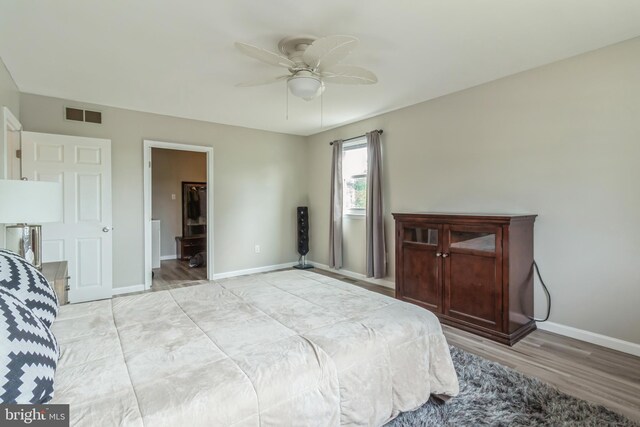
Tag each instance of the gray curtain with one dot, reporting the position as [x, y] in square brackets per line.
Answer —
[376, 247]
[335, 228]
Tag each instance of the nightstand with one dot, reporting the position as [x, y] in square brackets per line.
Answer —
[57, 275]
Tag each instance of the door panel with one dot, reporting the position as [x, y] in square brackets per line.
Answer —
[473, 292]
[88, 189]
[47, 152]
[53, 250]
[421, 280]
[421, 265]
[87, 269]
[473, 274]
[84, 238]
[88, 156]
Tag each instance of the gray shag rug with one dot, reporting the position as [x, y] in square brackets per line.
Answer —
[494, 395]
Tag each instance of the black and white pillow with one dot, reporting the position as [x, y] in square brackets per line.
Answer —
[28, 354]
[26, 283]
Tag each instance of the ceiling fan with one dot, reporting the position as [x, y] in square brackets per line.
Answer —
[311, 62]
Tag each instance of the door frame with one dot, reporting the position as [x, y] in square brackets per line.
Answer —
[10, 123]
[148, 144]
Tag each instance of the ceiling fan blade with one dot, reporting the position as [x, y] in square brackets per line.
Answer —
[264, 81]
[264, 55]
[349, 74]
[328, 51]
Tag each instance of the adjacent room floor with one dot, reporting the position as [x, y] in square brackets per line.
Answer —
[587, 371]
[175, 273]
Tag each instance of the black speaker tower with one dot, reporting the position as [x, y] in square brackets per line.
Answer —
[303, 237]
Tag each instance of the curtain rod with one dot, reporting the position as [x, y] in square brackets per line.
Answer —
[356, 137]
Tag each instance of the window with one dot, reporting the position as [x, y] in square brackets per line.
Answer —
[354, 175]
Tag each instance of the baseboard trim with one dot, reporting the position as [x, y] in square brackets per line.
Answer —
[127, 289]
[591, 337]
[264, 269]
[168, 257]
[354, 275]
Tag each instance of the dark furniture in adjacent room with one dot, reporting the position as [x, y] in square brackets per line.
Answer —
[186, 247]
[194, 220]
[475, 272]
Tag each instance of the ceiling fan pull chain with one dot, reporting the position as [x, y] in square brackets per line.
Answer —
[286, 95]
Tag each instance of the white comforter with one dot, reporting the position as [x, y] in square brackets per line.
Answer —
[279, 349]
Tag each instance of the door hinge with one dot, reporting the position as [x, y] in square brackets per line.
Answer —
[149, 163]
[18, 154]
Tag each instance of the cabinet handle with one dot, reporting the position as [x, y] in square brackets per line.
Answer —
[445, 255]
[438, 253]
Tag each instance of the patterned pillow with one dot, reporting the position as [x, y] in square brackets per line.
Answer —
[28, 354]
[27, 284]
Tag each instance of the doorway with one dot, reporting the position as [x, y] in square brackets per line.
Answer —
[178, 213]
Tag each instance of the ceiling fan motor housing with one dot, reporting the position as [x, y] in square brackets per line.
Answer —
[304, 84]
[311, 62]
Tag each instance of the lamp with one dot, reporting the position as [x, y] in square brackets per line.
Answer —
[304, 84]
[23, 202]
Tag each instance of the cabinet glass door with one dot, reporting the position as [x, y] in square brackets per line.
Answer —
[481, 241]
[473, 274]
[421, 234]
[420, 258]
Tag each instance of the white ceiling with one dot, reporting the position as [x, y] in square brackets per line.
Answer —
[177, 57]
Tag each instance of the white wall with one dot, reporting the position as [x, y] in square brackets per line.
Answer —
[259, 180]
[561, 141]
[169, 169]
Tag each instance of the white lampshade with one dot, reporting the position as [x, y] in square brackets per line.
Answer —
[304, 85]
[30, 202]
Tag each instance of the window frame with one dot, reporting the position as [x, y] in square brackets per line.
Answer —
[353, 145]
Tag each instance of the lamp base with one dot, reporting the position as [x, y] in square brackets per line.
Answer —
[26, 241]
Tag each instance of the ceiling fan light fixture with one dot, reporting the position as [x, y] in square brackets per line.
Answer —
[304, 85]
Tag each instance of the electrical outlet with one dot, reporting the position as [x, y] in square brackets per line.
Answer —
[257, 249]
[173, 197]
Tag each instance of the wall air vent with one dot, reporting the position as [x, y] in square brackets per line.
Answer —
[77, 115]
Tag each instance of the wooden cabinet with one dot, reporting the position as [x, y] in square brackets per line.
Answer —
[473, 271]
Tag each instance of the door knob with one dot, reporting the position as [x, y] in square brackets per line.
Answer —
[445, 255]
[438, 253]
[106, 229]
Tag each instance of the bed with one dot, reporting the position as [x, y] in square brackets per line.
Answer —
[275, 349]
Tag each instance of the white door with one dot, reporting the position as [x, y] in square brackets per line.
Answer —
[84, 239]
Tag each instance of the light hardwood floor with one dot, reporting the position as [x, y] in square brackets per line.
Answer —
[176, 273]
[587, 371]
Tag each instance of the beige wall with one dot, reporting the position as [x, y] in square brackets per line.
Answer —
[169, 168]
[259, 180]
[562, 141]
